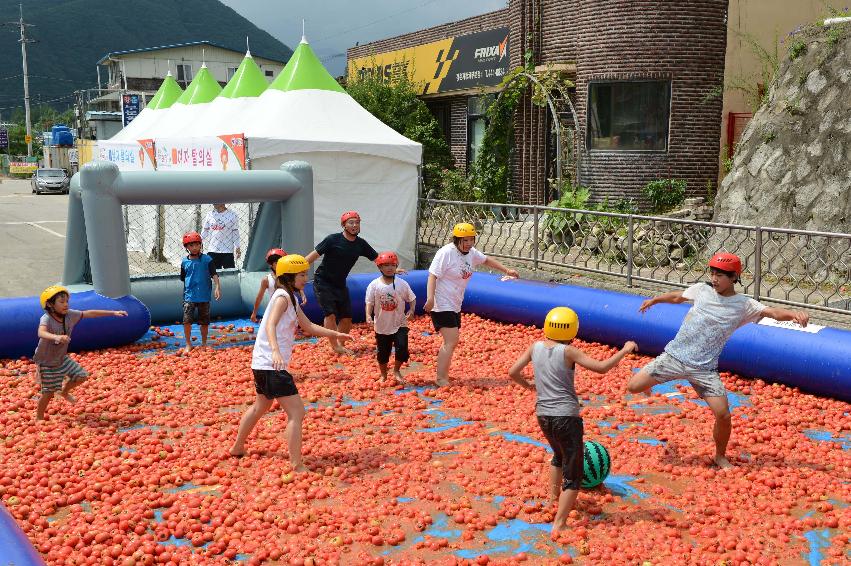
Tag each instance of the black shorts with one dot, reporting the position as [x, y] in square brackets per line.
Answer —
[397, 340]
[272, 383]
[333, 300]
[445, 319]
[565, 436]
[189, 309]
[222, 260]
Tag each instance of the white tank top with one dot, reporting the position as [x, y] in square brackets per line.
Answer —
[261, 357]
[270, 289]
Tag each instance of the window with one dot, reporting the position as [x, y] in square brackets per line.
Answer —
[270, 73]
[629, 116]
[477, 123]
[441, 113]
[231, 73]
[184, 75]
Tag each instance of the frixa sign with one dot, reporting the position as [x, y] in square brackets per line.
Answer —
[467, 61]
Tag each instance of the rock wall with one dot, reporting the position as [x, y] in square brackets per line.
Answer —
[792, 167]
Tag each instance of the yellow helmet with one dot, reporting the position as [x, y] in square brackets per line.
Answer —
[561, 324]
[463, 230]
[51, 292]
[292, 263]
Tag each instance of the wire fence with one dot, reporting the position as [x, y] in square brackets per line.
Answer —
[154, 233]
[792, 267]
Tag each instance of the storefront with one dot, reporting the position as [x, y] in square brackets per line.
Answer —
[643, 75]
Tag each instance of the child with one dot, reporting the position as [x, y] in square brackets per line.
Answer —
[557, 406]
[197, 271]
[693, 353]
[272, 350]
[391, 328]
[267, 284]
[448, 275]
[51, 354]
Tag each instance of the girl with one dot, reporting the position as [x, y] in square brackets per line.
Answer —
[267, 284]
[557, 406]
[272, 351]
[450, 271]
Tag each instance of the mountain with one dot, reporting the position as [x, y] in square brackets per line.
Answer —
[72, 35]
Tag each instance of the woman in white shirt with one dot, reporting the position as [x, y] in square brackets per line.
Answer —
[450, 271]
[271, 356]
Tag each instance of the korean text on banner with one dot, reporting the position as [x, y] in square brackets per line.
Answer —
[222, 153]
[138, 156]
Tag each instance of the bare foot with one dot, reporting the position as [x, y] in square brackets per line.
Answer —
[300, 468]
[442, 382]
[68, 397]
[236, 453]
[399, 379]
[557, 528]
[40, 418]
[187, 349]
[722, 462]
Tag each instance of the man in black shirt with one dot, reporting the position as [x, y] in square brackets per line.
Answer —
[340, 252]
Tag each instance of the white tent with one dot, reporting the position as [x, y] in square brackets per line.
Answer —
[359, 163]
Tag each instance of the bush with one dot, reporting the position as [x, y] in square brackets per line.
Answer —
[449, 184]
[560, 225]
[665, 194]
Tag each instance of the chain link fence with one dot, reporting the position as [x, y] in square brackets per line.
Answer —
[154, 234]
[792, 267]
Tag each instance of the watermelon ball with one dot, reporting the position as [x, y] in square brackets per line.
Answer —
[596, 464]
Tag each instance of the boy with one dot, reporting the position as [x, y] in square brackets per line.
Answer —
[391, 329]
[51, 354]
[221, 232]
[197, 271]
[693, 353]
[557, 405]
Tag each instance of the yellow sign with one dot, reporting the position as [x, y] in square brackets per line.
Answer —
[467, 61]
[28, 139]
[22, 167]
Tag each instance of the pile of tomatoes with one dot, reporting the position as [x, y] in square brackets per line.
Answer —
[138, 471]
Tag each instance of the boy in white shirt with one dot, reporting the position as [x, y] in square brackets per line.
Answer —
[390, 294]
[693, 353]
[220, 233]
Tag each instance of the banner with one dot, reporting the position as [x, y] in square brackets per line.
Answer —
[4, 137]
[130, 106]
[221, 153]
[467, 61]
[22, 167]
[129, 156]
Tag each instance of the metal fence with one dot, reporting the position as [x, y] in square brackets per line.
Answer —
[153, 233]
[791, 267]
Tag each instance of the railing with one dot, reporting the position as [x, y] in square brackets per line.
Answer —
[791, 267]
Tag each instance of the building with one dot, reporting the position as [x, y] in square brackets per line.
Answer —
[656, 78]
[141, 71]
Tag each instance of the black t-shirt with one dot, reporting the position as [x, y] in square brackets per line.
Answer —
[339, 255]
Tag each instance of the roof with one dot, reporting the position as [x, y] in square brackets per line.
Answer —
[176, 45]
[305, 71]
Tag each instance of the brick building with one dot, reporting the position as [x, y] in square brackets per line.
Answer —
[644, 71]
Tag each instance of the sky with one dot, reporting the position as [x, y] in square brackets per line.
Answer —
[332, 26]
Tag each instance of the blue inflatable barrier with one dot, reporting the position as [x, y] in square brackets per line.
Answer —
[15, 547]
[20, 316]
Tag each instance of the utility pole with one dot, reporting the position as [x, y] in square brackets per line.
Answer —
[23, 41]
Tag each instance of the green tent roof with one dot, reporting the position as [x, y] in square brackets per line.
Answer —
[305, 71]
[166, 95]
[247, 81]
[203, 88]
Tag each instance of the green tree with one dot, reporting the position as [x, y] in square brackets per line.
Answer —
[396, 104]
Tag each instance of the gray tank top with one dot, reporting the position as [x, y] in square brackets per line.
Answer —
[554, 382]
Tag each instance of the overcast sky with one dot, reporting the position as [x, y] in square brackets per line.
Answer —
[332, 26]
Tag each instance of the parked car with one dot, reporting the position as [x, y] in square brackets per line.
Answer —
[50, 181]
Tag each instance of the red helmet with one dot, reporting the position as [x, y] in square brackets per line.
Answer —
[275, 251]
[726, 262]
[191, 237]
[347, 215]
[386, 257]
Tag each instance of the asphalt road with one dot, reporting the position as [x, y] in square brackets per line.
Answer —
[32, 238]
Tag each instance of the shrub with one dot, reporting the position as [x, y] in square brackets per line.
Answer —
[665, 194]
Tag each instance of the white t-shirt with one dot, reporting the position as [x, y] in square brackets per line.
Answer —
[709, 324]
[220, 232]
[270, 286]
[389, 304]
[261, 357]
[453, 271]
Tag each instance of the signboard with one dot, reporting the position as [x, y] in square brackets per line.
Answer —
[73, 156]
[28, 138]
[4, 137]
[130, 107]
[129, 156]
[221, 153]
[467, 61]
[22, 167]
